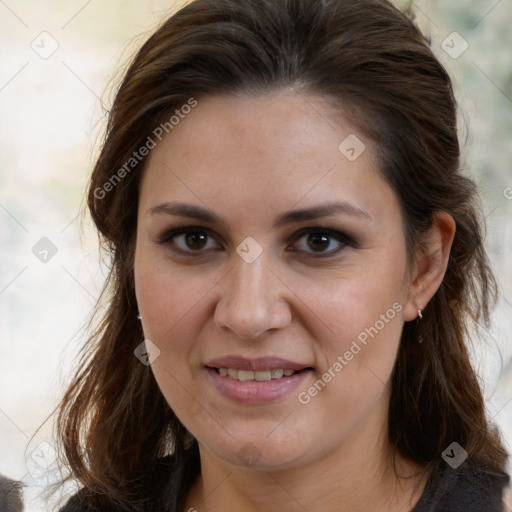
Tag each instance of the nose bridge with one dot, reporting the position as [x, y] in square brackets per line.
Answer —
[252, 299]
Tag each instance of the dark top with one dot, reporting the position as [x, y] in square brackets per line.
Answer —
[10, 495]
[469, 488]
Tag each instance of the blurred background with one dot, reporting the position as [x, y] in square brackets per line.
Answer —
[60, 62]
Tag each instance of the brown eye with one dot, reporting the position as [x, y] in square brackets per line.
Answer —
[318, 242]
[189, 240]
[196, 241]
[321, 242]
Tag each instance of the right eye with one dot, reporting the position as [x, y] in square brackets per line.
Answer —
[189, 240]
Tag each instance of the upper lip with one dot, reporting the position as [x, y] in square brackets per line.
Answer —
[256, 364]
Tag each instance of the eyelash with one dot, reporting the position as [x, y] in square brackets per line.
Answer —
[343, 239]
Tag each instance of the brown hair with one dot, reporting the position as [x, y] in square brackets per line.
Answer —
[375, 64]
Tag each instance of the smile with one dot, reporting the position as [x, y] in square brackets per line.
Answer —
[248, 375]
[260, 387]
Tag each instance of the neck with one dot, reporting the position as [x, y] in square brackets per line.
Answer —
[356, 476]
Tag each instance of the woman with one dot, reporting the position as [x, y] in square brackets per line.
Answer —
[291, 235]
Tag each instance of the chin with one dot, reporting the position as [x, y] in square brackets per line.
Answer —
[260, 452]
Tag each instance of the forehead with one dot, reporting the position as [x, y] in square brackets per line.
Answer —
[274, 151]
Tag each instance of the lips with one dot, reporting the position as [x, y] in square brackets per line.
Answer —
[256, 381]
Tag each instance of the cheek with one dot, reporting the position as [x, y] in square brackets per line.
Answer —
[167, 295]
[364, 341]
[359, 357]
[363, 297]
[364, 313]
[167, 300]
[172, 307]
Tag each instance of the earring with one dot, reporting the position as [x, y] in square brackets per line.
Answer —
[420, 316]
[139, 316]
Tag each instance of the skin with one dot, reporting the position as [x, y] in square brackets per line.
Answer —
[249, 159]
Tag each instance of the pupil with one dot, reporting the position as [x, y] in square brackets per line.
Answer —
[196, 240]
[318, 242]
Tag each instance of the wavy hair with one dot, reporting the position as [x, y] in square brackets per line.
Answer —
[373, 63]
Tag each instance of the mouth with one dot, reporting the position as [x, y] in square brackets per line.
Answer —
[256, 381]
[259, 376]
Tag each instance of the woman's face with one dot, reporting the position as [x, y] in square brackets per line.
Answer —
[290, 255]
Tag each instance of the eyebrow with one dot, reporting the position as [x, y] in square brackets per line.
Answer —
[293, 216]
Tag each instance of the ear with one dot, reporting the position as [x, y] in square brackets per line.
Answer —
[430, 264]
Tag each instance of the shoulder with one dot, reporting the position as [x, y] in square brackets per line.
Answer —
[10, 495]
[472, 487]
[153, 480]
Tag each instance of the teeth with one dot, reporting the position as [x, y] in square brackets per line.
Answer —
[264, 375]
[246, 375]
[276, 374]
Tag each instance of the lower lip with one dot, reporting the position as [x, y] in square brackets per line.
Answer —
[257, 392]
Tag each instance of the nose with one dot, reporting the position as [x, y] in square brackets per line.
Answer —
[253, 300]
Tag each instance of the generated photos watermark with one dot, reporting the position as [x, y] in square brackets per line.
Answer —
[304, 397]
[454, 455]
[137, 156]
[147, 352]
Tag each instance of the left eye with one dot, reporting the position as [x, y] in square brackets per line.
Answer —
[321, 241]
